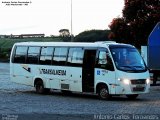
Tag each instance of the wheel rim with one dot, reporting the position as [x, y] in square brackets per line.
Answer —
[103, 93]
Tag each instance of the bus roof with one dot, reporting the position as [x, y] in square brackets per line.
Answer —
[72, 44]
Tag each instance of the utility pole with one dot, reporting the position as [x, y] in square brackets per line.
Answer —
[71, 23]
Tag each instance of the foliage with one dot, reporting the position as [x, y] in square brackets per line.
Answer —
[139, 18]
[119, 30]
[64, 32]
[92, 36]
[65, 35]
[7, 43]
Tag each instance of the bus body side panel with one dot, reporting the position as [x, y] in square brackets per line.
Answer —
[107, 77]
[22, 74]
[75, 79]
[59, 77]
[53, 76]
[11, 65]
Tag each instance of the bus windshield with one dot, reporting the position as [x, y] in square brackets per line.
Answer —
[127, 59]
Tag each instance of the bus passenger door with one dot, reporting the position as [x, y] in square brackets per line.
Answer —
[88, 70]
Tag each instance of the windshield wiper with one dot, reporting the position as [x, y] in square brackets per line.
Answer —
[139, 67]
[131, 67]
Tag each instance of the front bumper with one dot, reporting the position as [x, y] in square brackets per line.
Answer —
[134, 87]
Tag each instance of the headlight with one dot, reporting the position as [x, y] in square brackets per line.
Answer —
[148, 81]
[126, 81]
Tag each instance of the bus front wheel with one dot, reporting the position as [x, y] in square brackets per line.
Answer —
[103, 93]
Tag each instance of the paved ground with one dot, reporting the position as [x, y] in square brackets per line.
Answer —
[22, 103]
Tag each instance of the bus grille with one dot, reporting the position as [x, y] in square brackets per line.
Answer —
[139, 81]
[138, 85]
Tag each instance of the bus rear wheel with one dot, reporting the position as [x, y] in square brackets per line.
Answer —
[132, 97]
[103, 93]
[40, 88]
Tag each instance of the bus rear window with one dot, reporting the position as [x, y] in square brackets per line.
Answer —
[20, 54]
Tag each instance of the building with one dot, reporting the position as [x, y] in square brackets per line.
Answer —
[23, 36]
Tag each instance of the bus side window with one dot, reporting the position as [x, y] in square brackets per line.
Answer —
[33, 55]
[104, 61]
[20, 54]
[60, 55]
[75, 57]
[46, 55]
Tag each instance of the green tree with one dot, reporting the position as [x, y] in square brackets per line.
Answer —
[119, 31]
[65, 35]
[92, 36]
[138, 20]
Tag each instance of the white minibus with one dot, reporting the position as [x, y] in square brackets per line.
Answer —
[103, 68]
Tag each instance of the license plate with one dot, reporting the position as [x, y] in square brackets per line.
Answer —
[139, 86]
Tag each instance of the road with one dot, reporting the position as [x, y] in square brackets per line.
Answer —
[21, 102]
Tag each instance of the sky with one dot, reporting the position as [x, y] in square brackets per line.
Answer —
[49, 16]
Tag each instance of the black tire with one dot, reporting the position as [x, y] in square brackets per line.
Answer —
[103, 93]
[155, 78]
[132, 97]
[47, 90]
[40, 88]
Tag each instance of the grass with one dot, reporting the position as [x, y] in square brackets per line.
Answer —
[7, 43]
